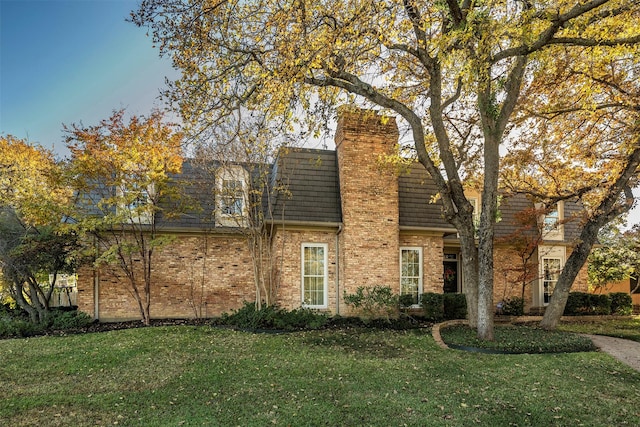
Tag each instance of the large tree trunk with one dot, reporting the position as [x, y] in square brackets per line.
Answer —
[576, 261]
[469, 260]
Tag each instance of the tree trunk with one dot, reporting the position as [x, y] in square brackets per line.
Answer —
[576, 261]
[469, 260]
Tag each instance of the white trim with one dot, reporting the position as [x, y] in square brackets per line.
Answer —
[325, 274]
[420, 273]
[547, 253]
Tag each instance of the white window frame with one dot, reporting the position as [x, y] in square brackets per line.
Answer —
[547, 253]
[238, 174]
[420, 276]
[551, 223]
[144, 199]
[234, 195]
[325, 274]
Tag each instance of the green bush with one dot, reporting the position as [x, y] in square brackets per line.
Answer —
[455, 306]
[405, 300]
[621, 303]
[600, 304]
[433, 306]
[577, 303]
[373, 302]
[11, 327]
[66, 319]
[272, 317]
[582, 303]
[513, 306]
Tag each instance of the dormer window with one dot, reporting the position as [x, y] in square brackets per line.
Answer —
[134, 203]
[551, 222]
[232, 196]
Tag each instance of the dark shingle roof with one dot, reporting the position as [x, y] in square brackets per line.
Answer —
[416, 191]
[307, 188]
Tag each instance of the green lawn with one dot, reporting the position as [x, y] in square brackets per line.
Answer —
[185, 375]
[622, 327]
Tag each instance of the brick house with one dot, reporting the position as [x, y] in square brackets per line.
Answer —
[344, 221]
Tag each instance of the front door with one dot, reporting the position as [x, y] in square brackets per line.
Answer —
[450, 274]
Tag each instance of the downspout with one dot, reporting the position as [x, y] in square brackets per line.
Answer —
[338, 269]
[96, 288]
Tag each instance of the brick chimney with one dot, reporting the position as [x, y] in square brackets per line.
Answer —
[369, 242]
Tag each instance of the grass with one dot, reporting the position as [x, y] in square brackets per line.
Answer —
[621, 327]
[517, 339]
[188, 376]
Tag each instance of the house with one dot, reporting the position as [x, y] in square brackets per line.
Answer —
[343, 221]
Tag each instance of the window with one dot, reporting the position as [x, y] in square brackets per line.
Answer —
[552, 228]
[411, 273]
[314, 275]
[476, 212]
[232, 202]
[551, 219]
[551, 268]
[135, 203]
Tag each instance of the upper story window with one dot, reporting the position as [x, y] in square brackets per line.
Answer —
[232, 195]
[134, 203]
[552, 228]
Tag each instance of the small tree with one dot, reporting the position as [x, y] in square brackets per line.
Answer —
[122, 174]
[616, 259]
[34, 241]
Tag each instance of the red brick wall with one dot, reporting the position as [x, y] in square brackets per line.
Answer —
[369, 240]
[193, 276]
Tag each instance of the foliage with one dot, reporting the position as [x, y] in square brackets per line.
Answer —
[14, 324]
[324, 377]
[513, 306]
[617, 258]
[582, 303]
[405, 301]
[518, 339]
[455, 306]
[272, 317]
[454, 72]
[68, 319]
[31, 182]
[621, 303]
[122, 172]
[372, 302]
[433, 305]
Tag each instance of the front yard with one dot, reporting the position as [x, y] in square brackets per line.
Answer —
[187, 375]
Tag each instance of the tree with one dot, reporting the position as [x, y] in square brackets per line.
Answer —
[453, 71]
[34, 240]
[616, 259]
[592, 99]
[122, 171]
[29, 256]
[237, 157]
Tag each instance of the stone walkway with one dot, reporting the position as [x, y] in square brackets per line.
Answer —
[626, 351]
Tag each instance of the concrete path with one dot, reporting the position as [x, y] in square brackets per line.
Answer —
[626, 351]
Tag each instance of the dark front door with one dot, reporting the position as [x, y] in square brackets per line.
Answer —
[450, 276]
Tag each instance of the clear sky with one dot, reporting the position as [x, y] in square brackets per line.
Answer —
[72, 61]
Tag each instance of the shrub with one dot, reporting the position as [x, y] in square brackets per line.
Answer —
[600, 304]
[272, 317]
[433, 306]
[513, 306]
[582, 303]
[577, 304]
[65, 319]
[18, 327]
[621, 303]
[372, 302]
[405, 300]
[455, 306]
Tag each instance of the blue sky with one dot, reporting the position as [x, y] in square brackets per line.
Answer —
[72, 61]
